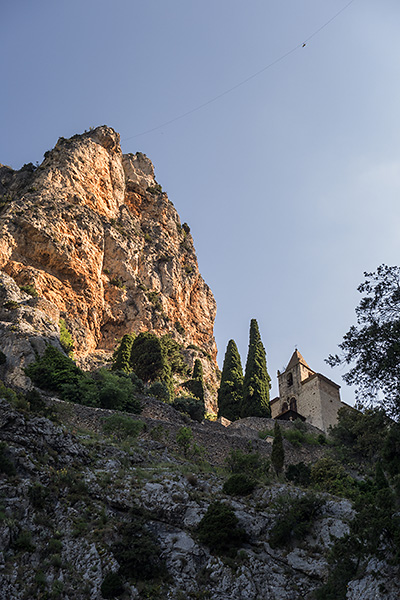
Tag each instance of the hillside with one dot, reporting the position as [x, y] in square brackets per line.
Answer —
[85, 496]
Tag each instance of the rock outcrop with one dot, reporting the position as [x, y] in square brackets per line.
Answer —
[92, 231]
[70, 494]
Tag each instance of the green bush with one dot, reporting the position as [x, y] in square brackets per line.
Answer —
[6, 465]
[29, 289]
[137, 551]
[23, 543]
[116, 392]
[295, 519]
[184, 439]
[56, 372]
[66, 341]
[299, 473]
[52, 370]
[38, 494]
[112, 586]
[249, 463]
[330, 476]
[159, 390]
[190, 406]
[122, 427]
[36, 403]
[239, 484]
[219, 530]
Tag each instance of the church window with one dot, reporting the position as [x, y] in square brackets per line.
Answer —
[293, 404]
[289, 379]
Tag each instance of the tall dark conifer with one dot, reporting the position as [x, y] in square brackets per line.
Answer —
[256, 382]
[230, 393]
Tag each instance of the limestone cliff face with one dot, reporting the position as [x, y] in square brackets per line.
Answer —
[92, 230]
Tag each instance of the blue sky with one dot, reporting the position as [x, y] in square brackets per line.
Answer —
[290, 183]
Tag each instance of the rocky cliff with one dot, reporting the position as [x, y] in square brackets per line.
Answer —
[93, 233]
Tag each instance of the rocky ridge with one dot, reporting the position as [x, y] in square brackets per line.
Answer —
[60, 541]
[91, 230]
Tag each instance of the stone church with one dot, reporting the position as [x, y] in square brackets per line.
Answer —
[306, 395]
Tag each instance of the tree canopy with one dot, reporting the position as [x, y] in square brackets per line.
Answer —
[230, 392]
[256, 384]
[372, 347]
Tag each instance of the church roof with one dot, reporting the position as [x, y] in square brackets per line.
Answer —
[296, 359]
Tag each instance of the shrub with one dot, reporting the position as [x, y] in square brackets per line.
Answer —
[52, 370]
[184, 439]
[38, 495]
[122, 427]
[8, 394]
[159, 390]
[6, 465]
[330, 476]
[219, 530]
[239, 484]
[295, 520]
[36, 403]
[299, 473]
[112, 586]
[66, 341]
[249, 463]
[56, 372]
[138, 552]
[29, 289]
[23, 543]
[190, 406]
[116, 392]
[117, 282]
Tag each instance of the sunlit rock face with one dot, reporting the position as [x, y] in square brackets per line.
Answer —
[92, 230]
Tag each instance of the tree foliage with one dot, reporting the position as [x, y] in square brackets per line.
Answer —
[372, 347]
[148, 358]
[230, 393]
[256, 384]
[219, 530]
[122, 355]
[196, 385]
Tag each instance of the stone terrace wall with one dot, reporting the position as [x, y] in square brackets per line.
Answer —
[163, 423]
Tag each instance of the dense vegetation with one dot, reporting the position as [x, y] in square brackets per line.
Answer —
[142, 365]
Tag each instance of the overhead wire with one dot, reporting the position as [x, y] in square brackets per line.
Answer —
[244, 81]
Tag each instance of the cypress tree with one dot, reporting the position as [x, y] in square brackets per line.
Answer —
[196, 384]
[148, 358]
[278, 453]
[230, 392]
[256, 382]
[122, 354]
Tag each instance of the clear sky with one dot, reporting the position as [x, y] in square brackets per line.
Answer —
[290, 183]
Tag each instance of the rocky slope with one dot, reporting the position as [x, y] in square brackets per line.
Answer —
[73, 492]
[91, 230]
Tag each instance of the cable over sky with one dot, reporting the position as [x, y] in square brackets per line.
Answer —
[301, 45]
